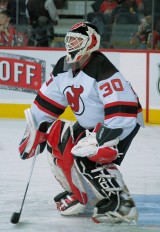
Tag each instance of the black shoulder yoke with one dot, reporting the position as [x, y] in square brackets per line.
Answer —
[100, 67]
[60, 66]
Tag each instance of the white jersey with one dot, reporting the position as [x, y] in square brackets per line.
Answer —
[97, 94]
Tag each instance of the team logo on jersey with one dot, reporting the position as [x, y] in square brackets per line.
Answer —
[73, 95]
[158, 81]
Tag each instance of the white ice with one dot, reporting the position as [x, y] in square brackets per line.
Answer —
[140, 169]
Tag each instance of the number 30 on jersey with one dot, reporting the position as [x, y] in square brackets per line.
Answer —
[110, 87]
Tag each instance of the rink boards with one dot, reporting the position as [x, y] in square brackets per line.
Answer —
[23, 70]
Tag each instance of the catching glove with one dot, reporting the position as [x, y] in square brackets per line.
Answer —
[100, 145]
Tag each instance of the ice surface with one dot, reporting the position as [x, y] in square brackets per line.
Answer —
[140, 169]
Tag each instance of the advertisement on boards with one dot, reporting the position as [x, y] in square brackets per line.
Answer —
[21, 73]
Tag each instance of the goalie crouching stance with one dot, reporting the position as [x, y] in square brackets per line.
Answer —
[78, 156]
[84, 154]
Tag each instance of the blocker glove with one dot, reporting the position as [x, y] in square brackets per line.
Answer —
[32, 137]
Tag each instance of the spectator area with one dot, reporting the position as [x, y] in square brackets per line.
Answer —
[121, 33]
[115, 36]
[76, 11]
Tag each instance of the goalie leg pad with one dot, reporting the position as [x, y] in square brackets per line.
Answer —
[60, 143]
[66, 202]
[115, 203]
[105, 180]
[58, 173]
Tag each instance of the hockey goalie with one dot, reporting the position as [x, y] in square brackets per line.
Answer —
[84, 154]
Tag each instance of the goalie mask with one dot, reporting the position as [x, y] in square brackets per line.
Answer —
[82, 39]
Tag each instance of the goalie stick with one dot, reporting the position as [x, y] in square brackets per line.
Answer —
[16, 216]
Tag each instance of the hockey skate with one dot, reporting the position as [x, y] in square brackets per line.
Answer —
[68, 204]
[125, 214]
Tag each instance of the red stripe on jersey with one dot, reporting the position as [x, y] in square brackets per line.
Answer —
[121, 103]
[120, 109]
[50, 101]
[119, 114]
[45, 110]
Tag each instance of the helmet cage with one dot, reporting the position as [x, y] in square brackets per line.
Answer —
[75, 41]
[78, 44]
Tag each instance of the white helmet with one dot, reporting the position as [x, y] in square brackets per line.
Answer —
[87, 40]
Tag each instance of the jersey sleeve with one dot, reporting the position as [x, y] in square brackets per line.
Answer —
[120, 103]
[50, 102]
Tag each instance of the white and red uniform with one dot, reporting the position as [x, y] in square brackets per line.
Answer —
[96, 93]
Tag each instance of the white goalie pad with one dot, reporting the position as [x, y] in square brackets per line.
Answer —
[57, 172]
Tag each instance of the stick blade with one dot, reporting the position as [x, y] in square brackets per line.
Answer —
[15, 218]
